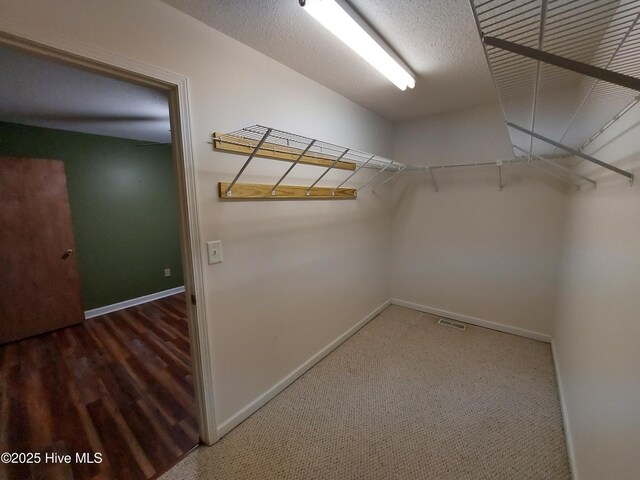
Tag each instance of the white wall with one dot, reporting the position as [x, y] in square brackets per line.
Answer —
[286, 287]
[597, 333]
[279, 297]
[471, 249]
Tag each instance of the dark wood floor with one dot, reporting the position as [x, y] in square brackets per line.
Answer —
[119, 385]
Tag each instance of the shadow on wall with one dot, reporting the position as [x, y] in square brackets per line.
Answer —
[614, 138]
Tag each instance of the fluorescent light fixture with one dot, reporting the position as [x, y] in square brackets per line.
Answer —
[341, 20]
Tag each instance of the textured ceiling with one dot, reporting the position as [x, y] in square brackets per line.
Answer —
[41, 92]
[438, 39]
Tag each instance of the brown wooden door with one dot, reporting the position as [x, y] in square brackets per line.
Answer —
[40, 288]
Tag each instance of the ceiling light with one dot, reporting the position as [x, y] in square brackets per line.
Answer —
[341, 20]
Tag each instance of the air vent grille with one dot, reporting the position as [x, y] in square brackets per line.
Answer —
[450, 323]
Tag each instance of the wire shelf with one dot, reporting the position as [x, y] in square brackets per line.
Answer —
[284, 142]
[267, 142]
[565, 106]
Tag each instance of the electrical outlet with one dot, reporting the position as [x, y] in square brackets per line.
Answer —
[167, 272]
[214, 249]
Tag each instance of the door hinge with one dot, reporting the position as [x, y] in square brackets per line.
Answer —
[193, 299]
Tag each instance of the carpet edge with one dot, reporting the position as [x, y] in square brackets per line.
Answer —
[245, 412]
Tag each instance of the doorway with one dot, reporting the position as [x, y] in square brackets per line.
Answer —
[160, 330]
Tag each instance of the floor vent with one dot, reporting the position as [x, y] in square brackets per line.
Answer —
[450, 323]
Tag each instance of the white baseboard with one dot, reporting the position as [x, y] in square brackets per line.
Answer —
[565, 417]
[132, 303]
[235, 420]
[501, 327]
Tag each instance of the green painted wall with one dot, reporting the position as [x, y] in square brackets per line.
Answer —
[124, 206]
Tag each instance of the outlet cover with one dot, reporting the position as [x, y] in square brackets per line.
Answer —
[167, 272]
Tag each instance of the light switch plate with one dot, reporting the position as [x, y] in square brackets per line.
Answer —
[214, 249]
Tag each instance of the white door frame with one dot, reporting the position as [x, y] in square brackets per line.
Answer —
[101, 61]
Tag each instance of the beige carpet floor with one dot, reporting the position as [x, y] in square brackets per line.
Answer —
[404, 398]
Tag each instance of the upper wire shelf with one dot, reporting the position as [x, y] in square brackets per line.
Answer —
[280, 141]
[564, 70]
[267, 142]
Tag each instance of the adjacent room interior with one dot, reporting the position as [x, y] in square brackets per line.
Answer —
[321, 239]
[94, 339]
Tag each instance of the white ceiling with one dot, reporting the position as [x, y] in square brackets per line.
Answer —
[45, 93]
[438, 39]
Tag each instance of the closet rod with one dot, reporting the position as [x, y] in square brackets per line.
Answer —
[499, 163]
[495, 163]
